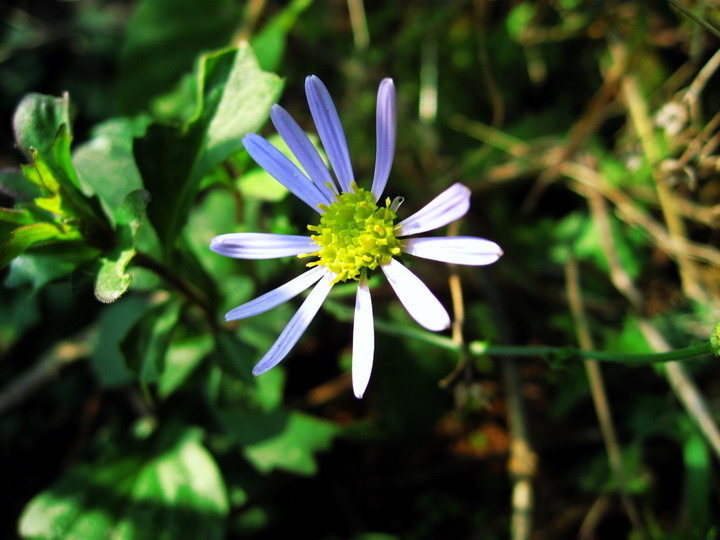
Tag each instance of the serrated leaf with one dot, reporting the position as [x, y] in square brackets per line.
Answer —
[27, 236]
[279, 439]
[175, 491]
[16, 216]
[43, 131]
[112, 280]
[146, 344]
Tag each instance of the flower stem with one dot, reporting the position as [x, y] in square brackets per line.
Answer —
[478, 348]
[687, 353]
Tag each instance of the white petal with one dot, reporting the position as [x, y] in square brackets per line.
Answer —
[284, 171]
[419, 302]
[278, 296]
[386, 133]
[304, 150]
[261, 245]
[451, 204]
[330, 129]
[363, 339]
[296, 327]
[454, 249]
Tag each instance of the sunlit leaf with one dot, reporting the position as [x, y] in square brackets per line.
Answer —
[182, 359]
[27, 236]
[106, 165]
[236, 96]
[280, 439]
[175, 491]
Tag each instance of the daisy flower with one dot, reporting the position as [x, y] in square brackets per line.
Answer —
[357, 232]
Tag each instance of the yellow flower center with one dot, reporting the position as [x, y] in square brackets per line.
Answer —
[354, 233]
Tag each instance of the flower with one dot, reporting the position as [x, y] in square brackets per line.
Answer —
[357, 232]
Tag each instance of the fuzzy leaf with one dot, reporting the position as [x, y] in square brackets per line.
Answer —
[112, 280]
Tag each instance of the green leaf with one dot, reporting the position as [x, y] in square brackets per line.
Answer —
[163, 39]
[174, 491]
[27, 236]
[46, 264]
[112, 281]
[234, 356]
[115, 321]
[258, 184]
[14, 184]
[519, 19]
[16, 216]
[235, 99]
[146, 344]
[43, 131]
[279, 439]
[106, 166]
[182, 359]
[269, 43]
[246, 95]
[698, 487]
[18, 312]
[37, 122]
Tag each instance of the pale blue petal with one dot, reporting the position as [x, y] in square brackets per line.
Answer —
[363, 339]
[303, 150]
[261, 245]
[419, 302]
[451, 204]
[386, 134]
[454, 249]
[284, 171]
[296, 327]
[278, 296]
[330, 130]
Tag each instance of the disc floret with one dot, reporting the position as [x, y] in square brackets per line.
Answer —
[354, 234]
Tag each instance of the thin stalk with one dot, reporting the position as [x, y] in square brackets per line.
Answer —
[46, 369]
[643, 126]
[599, 395]
[458, 319]
[178, 282]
